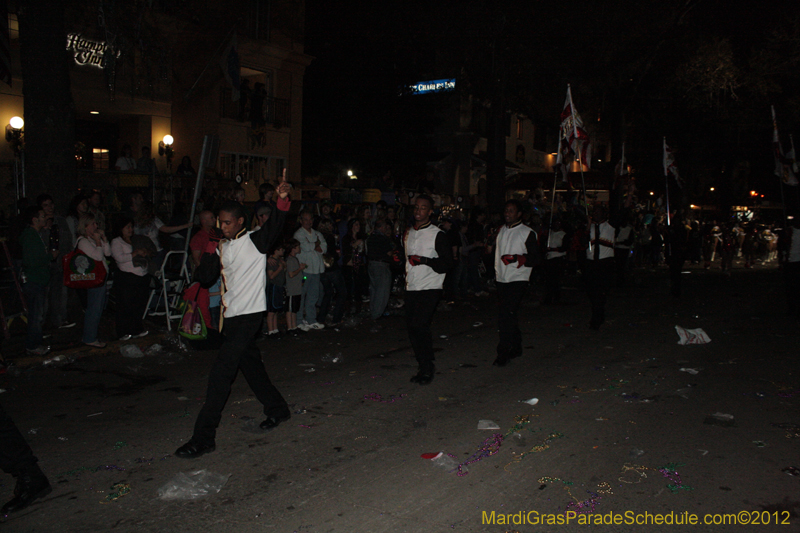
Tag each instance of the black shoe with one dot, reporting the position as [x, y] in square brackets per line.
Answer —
[30, 487]
[595, 324]
[424, 376]
[273, 421]
[502, 360]
[192, 450]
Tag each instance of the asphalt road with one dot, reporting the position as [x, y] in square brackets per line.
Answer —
[623, 424]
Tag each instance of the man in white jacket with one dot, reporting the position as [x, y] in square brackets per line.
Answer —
[312, 246]
[516, 252]
[242, 261]
[428, 258]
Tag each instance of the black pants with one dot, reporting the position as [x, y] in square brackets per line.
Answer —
[239, 351]
[553, 272]
[333, 283]
[16, 457]
[599, 276]
[130, 293]
[621, 256]
[419, 307]
[509, 297]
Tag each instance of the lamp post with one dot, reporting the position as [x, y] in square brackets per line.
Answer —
[165, 148]
[15, 137]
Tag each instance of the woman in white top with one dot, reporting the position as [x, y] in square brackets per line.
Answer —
[77, 206]
[92, 241]
[131, 284]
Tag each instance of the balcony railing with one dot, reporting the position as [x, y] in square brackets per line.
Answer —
[257, 111]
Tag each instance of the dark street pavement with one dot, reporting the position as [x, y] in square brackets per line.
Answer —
[616, 418]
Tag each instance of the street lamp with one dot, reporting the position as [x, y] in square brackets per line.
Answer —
[165, 148]
[15, 137]
[14, 133]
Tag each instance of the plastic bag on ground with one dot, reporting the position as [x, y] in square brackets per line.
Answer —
[155, 349]
[193, 485]
[131, 350]
[446, 462]
[692, 336]
[487, 424]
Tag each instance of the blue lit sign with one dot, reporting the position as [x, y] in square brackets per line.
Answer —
[434, 86]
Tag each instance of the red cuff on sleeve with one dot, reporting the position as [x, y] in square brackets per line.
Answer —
[284, 204]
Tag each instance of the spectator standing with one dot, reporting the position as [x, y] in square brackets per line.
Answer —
[238, 197]
[135, 202]
[332, 279]
[354, 262]
[36, 260]
[59, 238]
[92, 242]
[380, 255]
[451, 230]
[131, 284]
[78, 206]
[312, 247]
[145, 164]
[294, 284]
[476, 238]
[205, 241]
[266, 192]
[95, 200]
[276, 289]
[185, 168]
[126, 162]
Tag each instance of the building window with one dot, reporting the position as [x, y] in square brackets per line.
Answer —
[256, 103]
[520, 129]
[13, 27]
[99, 158]
[257, 169]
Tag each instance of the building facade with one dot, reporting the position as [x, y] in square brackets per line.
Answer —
[145, 71]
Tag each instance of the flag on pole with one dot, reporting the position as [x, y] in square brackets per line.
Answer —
[669, 165]
[573, 139]
[784, 163]
[229, 61]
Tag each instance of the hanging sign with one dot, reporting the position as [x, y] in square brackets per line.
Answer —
[86, 51]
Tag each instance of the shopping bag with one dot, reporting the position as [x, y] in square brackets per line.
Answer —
[81, 271]
[192, 325]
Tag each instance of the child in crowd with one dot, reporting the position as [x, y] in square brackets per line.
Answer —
[294, 283]
[276, 283]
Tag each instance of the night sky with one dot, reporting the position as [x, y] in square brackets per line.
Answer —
[703, 73]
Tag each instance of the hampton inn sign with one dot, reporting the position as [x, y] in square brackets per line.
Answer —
[86, 51]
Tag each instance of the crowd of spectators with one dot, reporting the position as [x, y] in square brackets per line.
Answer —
[340, 261]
